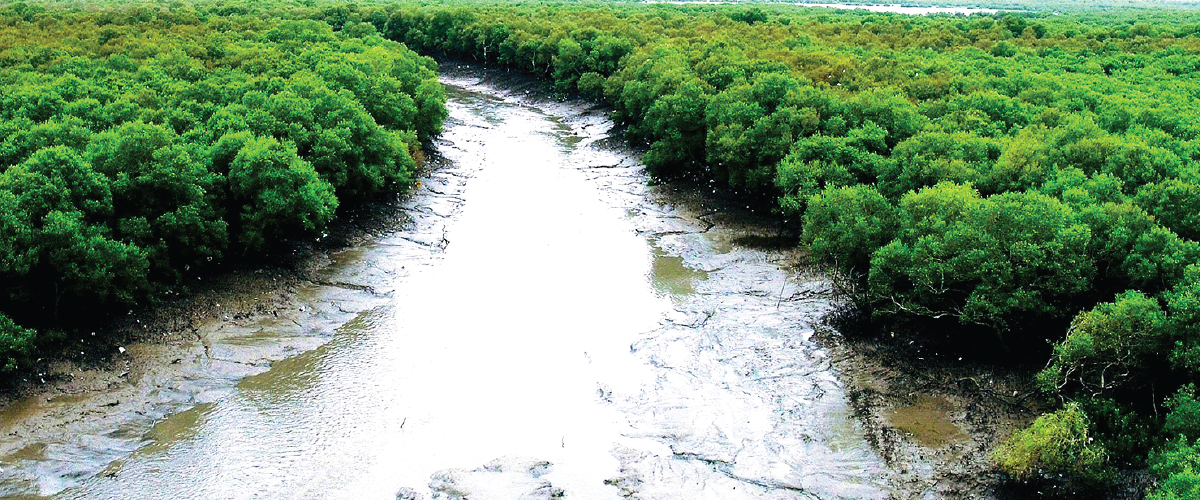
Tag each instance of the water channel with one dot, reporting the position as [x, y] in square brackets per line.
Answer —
[545, 325]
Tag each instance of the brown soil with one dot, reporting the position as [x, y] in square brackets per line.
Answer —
[935, 422]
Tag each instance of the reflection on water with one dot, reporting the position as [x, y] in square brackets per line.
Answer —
[16, 412]
[928, 421]
[175, 428]
[671, 276]
[35, 451]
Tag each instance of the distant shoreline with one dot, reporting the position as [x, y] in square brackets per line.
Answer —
[951, 7]
[873, 7]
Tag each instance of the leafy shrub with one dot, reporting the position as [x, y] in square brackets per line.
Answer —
[1175, 204]
[1178, 468]
[928, 158]
[1183, 307]
[1183, 419]
[1004, 49]
[280, 194]
[1108, 346]
[845, 225]
[16, 345]
[1056, 443]
[822, 161]
[1001, 262]
[591, 85]
[1121, 429]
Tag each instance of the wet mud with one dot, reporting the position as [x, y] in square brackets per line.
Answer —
[935, 422]
[541, 323]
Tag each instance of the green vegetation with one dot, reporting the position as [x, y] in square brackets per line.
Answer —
[141, 145]
[1057, 443]
[1024, 183]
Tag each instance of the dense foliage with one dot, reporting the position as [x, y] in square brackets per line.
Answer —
[1023, 183]
[141, 145]
[1057, 443]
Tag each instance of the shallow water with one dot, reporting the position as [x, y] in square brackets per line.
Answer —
[928, 421]
[546, 325]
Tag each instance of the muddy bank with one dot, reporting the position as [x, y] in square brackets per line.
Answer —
[934, 421]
